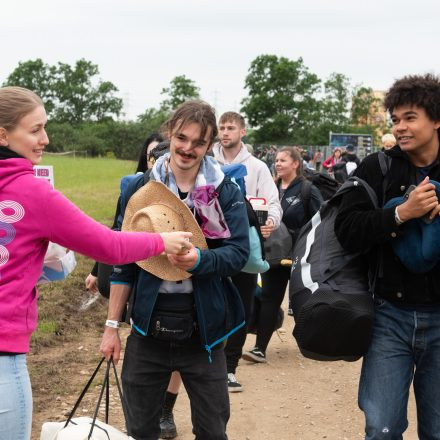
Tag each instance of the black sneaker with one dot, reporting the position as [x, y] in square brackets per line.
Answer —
[255, 355]
[167, 426]
[233, 385]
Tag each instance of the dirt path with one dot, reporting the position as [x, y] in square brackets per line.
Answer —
[288, 398]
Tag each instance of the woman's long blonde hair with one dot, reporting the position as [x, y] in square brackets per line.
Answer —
[16, 102]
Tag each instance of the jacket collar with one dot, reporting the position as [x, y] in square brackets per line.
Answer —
[293, 183]
[396, 152]
[6, 153]
[241, 157]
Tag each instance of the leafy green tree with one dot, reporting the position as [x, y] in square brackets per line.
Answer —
[123, 138]
[88, 137]
[363, 105]
[79, 99]
[281, 104]
[334, 108]
[152, 120]
[337, 100]
[180, 90]
[62, 136]
[71, 94]
[363, 109]
[37, 76]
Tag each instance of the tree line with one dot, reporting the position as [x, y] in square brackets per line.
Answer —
[286, 103]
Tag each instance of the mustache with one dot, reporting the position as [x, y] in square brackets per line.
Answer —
[182, 153]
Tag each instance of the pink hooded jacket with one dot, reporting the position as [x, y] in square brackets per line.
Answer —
[31, 215]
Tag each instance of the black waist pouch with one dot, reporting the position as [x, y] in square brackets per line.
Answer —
[174, 317]
[172, 326]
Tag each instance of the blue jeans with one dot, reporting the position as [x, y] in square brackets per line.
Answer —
[146, 371]
[15, 398]
[405, 348]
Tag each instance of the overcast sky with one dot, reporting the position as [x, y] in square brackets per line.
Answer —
[140, 45]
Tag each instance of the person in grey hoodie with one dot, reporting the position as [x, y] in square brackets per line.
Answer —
[259, 183]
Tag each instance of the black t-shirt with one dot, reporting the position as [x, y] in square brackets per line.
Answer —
[422, 172]
[182, 195]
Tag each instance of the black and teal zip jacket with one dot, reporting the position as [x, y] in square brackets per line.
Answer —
[219, 308]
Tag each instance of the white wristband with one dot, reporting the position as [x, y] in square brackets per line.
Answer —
[111, 323]
[398, 220]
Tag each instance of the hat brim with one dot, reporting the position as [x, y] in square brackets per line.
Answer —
[156, 193]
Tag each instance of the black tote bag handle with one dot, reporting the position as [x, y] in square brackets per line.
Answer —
[106, 387]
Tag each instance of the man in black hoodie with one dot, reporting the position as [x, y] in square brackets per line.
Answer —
[405, 345]
[349, 155]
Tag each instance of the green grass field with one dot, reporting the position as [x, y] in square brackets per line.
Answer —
[92, 184]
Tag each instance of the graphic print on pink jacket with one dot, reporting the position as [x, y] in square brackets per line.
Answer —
[32, 213]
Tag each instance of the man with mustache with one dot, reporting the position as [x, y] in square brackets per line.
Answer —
[216, 310]
[259, 183]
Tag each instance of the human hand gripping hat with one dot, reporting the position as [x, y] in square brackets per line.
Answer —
[154, 208]
[418, 246]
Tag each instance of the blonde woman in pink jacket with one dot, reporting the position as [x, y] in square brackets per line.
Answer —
[31, 215]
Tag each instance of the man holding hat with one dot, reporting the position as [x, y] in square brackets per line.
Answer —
[184, 306]
[405, 345]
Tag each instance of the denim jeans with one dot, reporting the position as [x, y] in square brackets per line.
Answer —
[148, 364]
[405, 348]
[15, 398]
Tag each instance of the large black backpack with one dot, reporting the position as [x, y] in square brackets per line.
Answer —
[327, 185]
[329, 288]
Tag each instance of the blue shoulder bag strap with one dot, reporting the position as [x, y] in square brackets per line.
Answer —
[132, 187]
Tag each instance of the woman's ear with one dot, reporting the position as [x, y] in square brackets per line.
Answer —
[3, 137]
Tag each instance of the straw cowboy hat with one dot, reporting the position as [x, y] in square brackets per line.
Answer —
[154, 208]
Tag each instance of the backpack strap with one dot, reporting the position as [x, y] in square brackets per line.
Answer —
[306, 195]
[385, 166]
[352, 182]
[384, 162]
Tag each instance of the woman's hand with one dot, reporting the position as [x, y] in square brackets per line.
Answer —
[268, 228]
[176, 242]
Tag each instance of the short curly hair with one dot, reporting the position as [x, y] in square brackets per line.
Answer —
[418, 90]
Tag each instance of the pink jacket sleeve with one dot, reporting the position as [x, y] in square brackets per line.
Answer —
[328, 163]
[68, 226]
